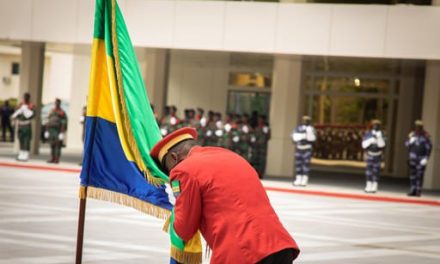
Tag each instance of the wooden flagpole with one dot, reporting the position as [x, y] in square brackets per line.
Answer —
[81, 220]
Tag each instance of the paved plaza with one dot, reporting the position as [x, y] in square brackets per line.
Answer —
[39, 212]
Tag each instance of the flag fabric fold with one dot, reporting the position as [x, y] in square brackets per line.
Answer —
[120, 125]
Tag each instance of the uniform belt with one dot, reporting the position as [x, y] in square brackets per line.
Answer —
[24, 122]
[303, 147]
[374, 154]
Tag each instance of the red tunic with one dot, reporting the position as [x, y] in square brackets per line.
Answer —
[221, 195]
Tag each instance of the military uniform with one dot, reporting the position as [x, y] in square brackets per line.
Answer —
[24, 114]
[374, 143]
[419, 148]
[218, 193]
[259, 149]
[55, 129]
[303, 137]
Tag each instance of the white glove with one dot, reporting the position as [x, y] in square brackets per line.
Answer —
[208, 133]
[228, 127]
[236, 139]
[219, 124]
[424, 161]
[366, 143]
[27, 113]
[163, 131]
[265, 130]
[412, 140]
[46, 134]
[219, 132]
[253, 139]
[61, 136]
[82, 119]
[245, 129]
[173, 121]
[203, 122]
[296, 137]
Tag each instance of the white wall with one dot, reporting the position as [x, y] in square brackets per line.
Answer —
[389, 31]
[198, 79]
[57, 77]
[8, 90]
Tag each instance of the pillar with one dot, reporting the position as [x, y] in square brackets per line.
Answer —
[431, 118]
[406, 114]
[78, 95]
[31, 81]
[284, 115]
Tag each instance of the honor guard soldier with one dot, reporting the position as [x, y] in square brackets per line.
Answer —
[24, 114]
[259, 139]
[374, 144]
[419, 148]
[55, 130]
[303, 137]
[219, 193]
[170, 121]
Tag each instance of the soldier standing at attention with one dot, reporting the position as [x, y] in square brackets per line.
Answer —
[5, 112]
[201, 123]
[24, 114]
[419, 148]
[374, 143]
[259, 150]
[55, 129]
[303, 137]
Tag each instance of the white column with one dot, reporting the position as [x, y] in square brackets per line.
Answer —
[31, 81]
[406, 115]
[284, 115]
[431, 118]
[78, 95]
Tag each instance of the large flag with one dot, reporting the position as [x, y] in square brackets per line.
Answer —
[121, 129]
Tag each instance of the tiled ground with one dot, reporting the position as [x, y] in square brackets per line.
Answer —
[39, 211]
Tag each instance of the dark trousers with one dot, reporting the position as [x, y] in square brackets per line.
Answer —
[6, 126]
[302, 161]
[373, 168]
[285, 256]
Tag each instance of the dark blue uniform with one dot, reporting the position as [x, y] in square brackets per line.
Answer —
[419, 148]
[374, 143]
[303, 136]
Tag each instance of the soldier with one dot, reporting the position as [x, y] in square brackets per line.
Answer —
[5, 112]
[374, 144]
[55, 129]
[200, 125]
[170, 121]
[219, 132]
[210, 138]
[259, 146]
[245, 131]
[419, 147]
[24, 113]
[303, 137]
[227, 134]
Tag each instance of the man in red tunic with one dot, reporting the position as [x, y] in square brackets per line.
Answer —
[218, 192]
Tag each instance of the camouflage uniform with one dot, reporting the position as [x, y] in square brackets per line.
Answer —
[419, 149]
[24, 114]
[259, 139]
[374, 143]
[303, 137]
[55, 129]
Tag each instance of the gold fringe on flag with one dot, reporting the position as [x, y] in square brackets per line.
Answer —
[186, 257]
[123, 199]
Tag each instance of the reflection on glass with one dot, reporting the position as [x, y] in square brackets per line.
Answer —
[242, 102]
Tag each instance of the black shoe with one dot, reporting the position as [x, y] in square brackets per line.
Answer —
[412, 193]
